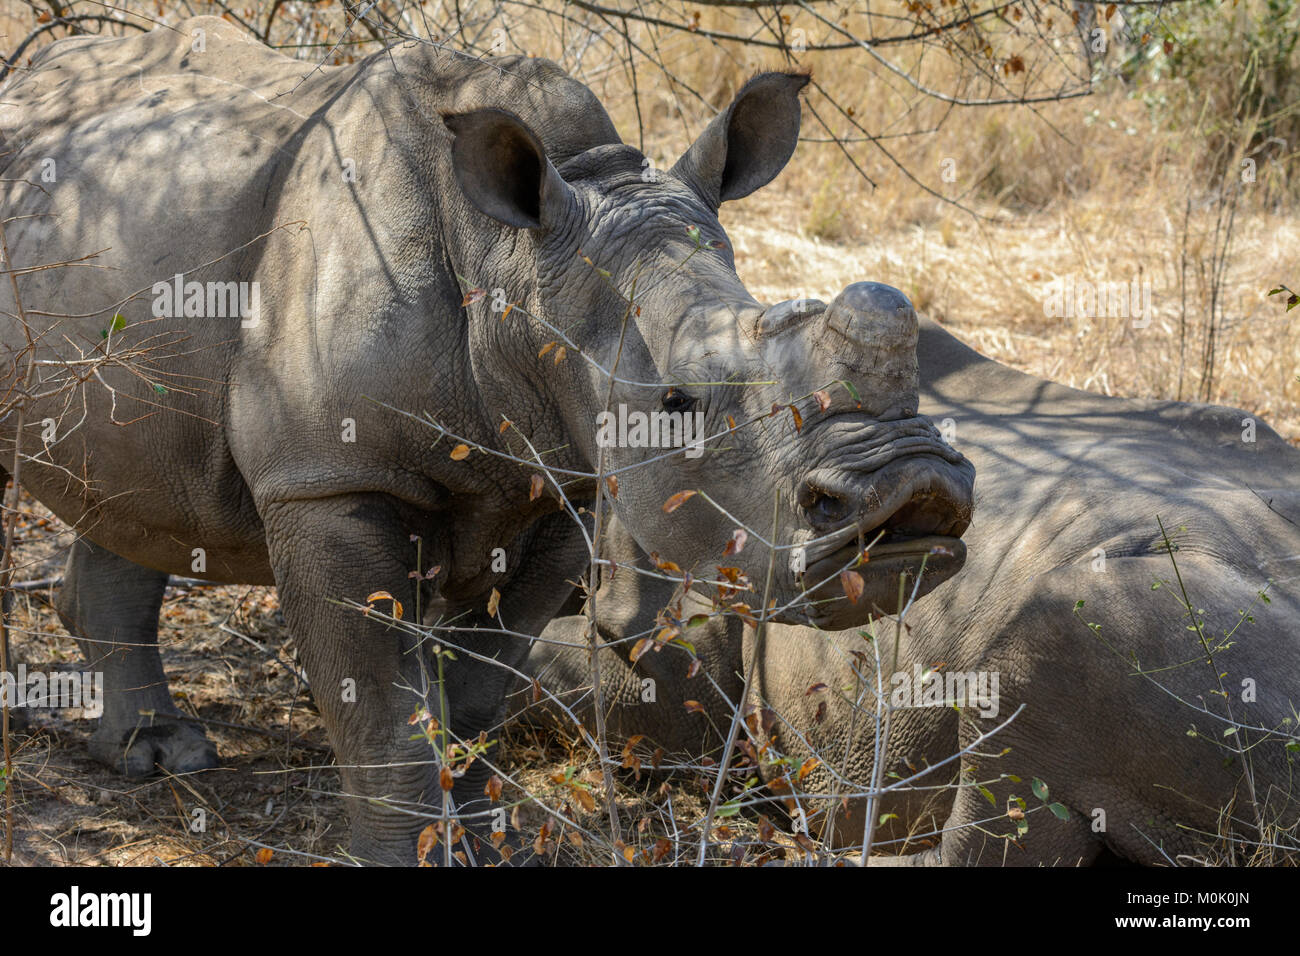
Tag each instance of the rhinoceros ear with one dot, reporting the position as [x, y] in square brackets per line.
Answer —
[749, 142]
[502, 168]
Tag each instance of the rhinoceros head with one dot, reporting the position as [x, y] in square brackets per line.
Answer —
[796, 422]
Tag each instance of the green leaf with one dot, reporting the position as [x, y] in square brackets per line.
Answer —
[1230, 731]
[1293, 746]
[1039, 788]
[1078, 605]
[1022, 827]
[118, 323]
[160, 389]
[852, 391]
[886, 817]
[729, 809]
[1059, 810]
[988, 795]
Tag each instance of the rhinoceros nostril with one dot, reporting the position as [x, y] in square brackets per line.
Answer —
[824, 509]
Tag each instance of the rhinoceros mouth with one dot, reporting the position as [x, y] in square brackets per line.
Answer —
[923, 563]
[929, 504]
[912, 529]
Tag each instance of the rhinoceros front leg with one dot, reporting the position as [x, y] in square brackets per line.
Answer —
[366, 676]
[111, 605]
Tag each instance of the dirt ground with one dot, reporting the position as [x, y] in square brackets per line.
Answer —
[232, 667]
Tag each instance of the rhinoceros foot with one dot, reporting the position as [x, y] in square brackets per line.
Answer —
[165, 743]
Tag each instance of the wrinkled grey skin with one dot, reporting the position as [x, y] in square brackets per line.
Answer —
[368, 201]
[1062, 473]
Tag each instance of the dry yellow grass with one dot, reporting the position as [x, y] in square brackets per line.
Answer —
[1094, 188]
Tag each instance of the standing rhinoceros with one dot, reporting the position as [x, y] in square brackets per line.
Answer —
[1133, 728]
[292, 267]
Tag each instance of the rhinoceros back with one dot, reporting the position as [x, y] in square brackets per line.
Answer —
[321, 195]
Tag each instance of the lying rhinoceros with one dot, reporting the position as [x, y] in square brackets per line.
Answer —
[332, 319]
[1155, 734]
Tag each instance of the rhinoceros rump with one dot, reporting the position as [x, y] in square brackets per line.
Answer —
[363, 208]
[1071, 486]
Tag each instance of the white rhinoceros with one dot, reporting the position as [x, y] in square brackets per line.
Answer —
[1157, 734]
[290, 266]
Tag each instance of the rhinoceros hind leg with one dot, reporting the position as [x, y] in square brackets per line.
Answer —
[111, 606]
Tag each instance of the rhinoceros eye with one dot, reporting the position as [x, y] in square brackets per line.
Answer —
[675, 400]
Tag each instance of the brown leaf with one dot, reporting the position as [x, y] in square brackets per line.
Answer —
[460, 453]
[472, 296]
[1015, 813]
[264, 855]
[446, 779]
[1169, 47]
[694, 707]
[737, 542]
[639, 649]
[851, 581]
[504, 425]
[493, 788]
[546, 348]
[536, 483]
[611, 485]
[494, 602]
[584, 797]
[663, 565]
[823, 399]
[677, 500]
[385, 596]
[821, 713]
[428, 840]
[731, 423]
[694, 669]
[819, 686]
[663, 846]
[798, 419]
[807, 767]
[1110, 11]
[559, 355]
[765, 829]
